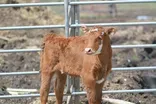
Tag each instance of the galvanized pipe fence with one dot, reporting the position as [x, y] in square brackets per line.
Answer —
[113, 46]
[81, 93]
[114, 69]
[71, 27]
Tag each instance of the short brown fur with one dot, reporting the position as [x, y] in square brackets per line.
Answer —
[64, 56]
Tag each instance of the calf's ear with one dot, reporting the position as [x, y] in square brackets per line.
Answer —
[111, 31]
[84, 29]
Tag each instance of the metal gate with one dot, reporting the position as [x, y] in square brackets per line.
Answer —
[71, 26]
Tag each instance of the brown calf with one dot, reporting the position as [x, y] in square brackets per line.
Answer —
[87, 56]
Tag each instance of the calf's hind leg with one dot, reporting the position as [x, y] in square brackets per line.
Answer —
[59, 86]
[45, 85]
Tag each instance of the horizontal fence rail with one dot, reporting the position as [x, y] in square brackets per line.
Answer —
[134, 46]
[32, 4]
[76, 25]
[19, 50]
[81, 93]
[73, 26]
[111, 2]
[75, 3]
[115, 24]
[113, 46]
[19, 73]
[134, 68]
[114, 69]
[32, 27]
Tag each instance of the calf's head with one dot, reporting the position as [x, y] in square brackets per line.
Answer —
[95, 39]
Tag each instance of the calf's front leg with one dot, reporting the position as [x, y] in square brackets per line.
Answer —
[94, 90]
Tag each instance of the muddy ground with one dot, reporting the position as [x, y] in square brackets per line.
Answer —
[118, 80]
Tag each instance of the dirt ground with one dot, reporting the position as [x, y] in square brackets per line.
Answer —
[118, 80]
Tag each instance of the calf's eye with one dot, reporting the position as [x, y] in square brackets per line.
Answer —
[100, 37]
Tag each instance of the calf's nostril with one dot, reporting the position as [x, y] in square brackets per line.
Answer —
[89, 50]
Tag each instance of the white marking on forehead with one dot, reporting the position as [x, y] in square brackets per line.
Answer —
[102, 33]
[100, 81]
[92, 30]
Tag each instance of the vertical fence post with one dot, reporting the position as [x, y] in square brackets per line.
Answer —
[77, 18]
[66, 3]
[66, 11]
[74, 19]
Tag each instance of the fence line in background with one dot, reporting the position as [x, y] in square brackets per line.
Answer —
[76, 25]
[113, 46]
[114, 69]
[134, 46]
[112, 2]
[81, 93]
[32, 4]
[66, 3]
[32, 27]
[115, 24]
[19, 50]
[75, 3]
[19, 73]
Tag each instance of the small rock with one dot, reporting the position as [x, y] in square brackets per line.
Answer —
[148, 50]
[131, 63]
[153, 54]
[121, 81]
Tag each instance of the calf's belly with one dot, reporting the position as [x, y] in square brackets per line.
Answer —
[73, 69]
